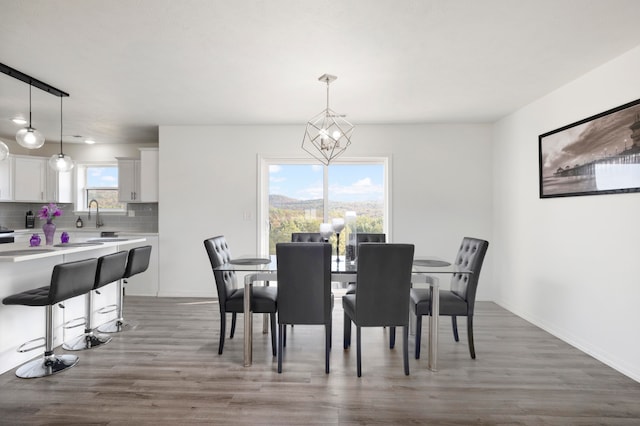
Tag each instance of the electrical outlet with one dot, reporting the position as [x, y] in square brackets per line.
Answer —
[132, 213]
[247, 215]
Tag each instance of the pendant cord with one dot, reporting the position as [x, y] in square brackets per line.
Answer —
[61, 154]
[30, 126]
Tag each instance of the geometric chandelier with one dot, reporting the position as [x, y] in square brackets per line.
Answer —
[327, 134]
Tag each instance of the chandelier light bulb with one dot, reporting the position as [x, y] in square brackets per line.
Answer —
[61, 163]
[30, 138]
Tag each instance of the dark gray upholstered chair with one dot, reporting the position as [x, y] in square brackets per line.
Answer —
[231, 298]
[68, 280]
[111, 268]
[460, 299]
[304, 290]
[382, 293]
[137, 262]
[306, 237]
[365, 237]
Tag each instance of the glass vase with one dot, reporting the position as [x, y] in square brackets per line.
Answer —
[49, 229]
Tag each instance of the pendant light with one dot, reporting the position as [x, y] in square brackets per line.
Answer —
[328, 134]
[61, 162]
[29, 137]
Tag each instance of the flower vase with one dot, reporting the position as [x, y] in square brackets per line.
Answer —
[49, 229]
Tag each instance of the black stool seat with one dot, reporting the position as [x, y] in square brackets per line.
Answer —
[68, 280]
[33, 297]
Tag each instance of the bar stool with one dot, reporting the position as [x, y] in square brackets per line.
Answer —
[68, 280]
[111, 267]
[137, 262]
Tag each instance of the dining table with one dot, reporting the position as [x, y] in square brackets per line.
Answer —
[425, 270]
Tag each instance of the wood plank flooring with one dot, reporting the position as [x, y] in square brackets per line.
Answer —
[167, 371]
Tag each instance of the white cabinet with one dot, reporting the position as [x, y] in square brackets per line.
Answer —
[128, 180]
[138, 178]
[6, 179]
[149, 175]
[29, 178]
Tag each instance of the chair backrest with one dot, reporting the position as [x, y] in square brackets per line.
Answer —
[219, 254]
[383, 284]
[304, 283]
[72, 279]
[370, 238]
[111, 267]
[470, 256]
[137, 261]
[306, 237]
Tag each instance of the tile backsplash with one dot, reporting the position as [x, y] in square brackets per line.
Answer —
[145, 219]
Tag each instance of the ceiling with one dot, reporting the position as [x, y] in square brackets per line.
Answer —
[132, 65]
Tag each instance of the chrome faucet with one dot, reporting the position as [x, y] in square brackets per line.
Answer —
[98, 222]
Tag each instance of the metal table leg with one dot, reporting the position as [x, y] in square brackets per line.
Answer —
[433, 325]
[248, 323]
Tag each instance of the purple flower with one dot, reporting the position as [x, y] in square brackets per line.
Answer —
[50, 211]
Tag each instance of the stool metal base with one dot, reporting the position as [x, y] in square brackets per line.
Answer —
[86, 341]
[46, 366]
[116, 326]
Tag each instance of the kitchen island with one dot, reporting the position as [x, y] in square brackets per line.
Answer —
[23, 268]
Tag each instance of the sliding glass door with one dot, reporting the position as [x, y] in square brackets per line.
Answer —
[297, 196]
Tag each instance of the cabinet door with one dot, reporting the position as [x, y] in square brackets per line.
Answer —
[148, 175]
[29, 175]
[5, 179]
[128, 181]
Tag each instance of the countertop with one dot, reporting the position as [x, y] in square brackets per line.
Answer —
[37, 253]
[83, 230]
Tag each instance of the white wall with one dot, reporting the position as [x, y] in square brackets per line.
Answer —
[441, 177]
[569, 264]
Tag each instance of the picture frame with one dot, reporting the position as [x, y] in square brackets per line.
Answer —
[593, 156]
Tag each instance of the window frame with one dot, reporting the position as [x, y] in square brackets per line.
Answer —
[81, 188]
[262, 224]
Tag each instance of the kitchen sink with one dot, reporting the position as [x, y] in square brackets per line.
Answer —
[107, 240]
[87, 243]
[25, 252]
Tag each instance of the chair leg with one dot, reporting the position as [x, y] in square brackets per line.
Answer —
[233, 325]
[358, 351]
[272, 318]
[284, 338]
[281, 329]
[454, 324]
[472, 349]
[223, 330]
[405, 349]
[392, 337]
[327, 346]
[347, 331]
[418, 334]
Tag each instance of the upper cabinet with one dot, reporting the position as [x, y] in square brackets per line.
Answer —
[29, 178]
[138, 178]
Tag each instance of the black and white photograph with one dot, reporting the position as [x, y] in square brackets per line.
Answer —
[597, 155]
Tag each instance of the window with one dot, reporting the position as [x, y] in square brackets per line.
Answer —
[98, 182]
[298, 195]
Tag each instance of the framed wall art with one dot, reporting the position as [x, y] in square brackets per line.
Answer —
[597, 155]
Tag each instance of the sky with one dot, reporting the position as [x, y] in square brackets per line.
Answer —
[102, 176]
[347, 182]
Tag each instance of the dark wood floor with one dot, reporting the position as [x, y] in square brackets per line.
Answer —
[167, 371]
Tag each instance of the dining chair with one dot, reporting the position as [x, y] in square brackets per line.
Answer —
[304, 290]
[366, 237]
[306, 237]
[382, 293]
[460, 299]
[231, 298]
